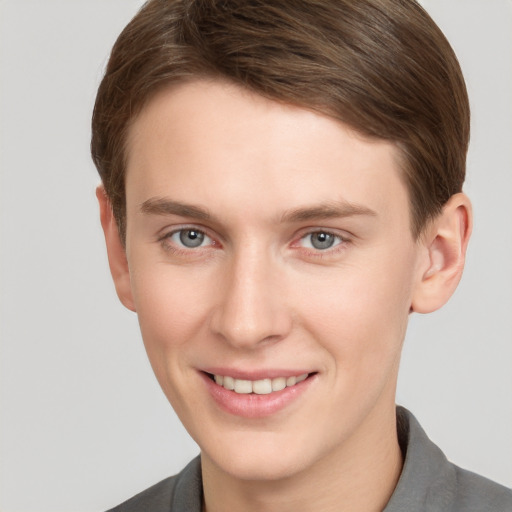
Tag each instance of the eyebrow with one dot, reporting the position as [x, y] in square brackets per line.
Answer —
[327, 210]
[164, 206]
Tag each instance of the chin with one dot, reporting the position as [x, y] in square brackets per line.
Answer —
[259, 457]
[259, 467]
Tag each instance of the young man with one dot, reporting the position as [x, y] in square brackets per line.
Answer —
[282, 187]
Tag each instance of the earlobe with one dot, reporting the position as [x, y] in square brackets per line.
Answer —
[117, 260]
[445, 243]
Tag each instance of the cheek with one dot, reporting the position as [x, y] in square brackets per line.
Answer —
[361, 315]
[172, 313]
[172, 307]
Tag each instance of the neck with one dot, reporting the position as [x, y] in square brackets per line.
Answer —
[359, 476]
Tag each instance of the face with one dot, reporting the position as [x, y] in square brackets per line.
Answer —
[270, 251]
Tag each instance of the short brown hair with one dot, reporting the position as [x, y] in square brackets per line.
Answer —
[382, 67]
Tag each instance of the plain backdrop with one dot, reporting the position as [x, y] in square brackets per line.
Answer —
[84, 424]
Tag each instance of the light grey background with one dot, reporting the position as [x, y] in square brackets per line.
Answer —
[83, 422]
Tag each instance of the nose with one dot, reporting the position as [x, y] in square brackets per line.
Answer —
[253, 308]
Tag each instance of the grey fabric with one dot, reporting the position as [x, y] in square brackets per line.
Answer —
[428, 483]
[180, 493]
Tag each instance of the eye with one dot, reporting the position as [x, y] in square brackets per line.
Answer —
[320, 240]
[190, 238]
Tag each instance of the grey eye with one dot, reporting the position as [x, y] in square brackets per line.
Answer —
[322, 240]
[190, 237]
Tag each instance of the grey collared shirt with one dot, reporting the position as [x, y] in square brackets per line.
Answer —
[428, 483]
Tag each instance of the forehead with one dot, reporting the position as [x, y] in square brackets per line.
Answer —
[216, 143]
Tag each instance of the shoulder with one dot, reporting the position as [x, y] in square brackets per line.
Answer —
[430, 482]
[182, 492]
[476, 493]
[156, 498]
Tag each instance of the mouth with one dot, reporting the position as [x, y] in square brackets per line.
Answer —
[264, 386]
[266, 394]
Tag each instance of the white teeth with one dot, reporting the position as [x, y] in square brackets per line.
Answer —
[243, 386]
[291, 381]
[228, 382]
[262, 387]
[259, 387]
[278, 383]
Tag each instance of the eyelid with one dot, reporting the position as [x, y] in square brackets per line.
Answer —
[341, 234]
[336, 239]
[167, 230]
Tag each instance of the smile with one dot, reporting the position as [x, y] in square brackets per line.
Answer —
[258, 387]
[262, 396]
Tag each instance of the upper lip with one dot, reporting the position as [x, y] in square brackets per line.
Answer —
[256, 374]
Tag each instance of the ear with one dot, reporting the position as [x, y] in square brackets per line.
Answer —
[115, 250]
[445, 242]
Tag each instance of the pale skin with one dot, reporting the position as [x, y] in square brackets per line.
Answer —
[305, 262]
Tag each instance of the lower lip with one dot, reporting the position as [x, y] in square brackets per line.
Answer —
[251, 405]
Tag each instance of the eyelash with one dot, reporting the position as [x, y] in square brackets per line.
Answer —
[165, 241]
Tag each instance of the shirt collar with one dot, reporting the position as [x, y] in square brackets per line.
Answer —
[428, 480]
